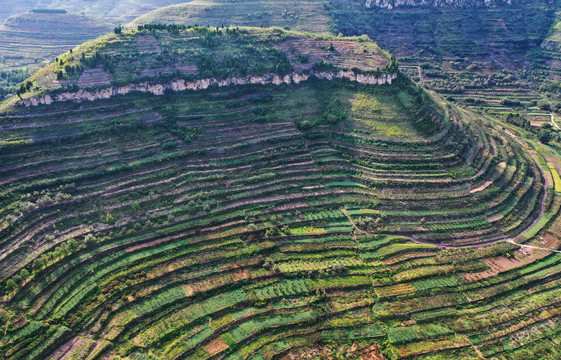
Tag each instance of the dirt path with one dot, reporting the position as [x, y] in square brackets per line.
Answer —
[532, 246]
[419, 72]
[553, 122]
[353, 223]
[421, 80]
[475, 348]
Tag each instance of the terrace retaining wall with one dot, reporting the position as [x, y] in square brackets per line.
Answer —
[202, 84]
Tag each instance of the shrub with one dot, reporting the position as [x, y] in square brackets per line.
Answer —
[90, 239]
[24, 274]
[38, 264]
[62, 196]
[303, 125]
[544, 105]
[509, 102]
[45, 200]
[27, 206]
[544, 136]
[303, 58]
[11, 285]
[110, 219]
[368, 223]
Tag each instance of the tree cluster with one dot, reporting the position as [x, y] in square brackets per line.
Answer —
[24, 87]
[97, 60]
[168, 27]
[546, 133]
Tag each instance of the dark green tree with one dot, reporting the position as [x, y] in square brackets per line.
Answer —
[544, 136]
[38, 264]
[11, 285]
[24, 274]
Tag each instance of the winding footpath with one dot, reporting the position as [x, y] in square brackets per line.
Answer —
[553, 121]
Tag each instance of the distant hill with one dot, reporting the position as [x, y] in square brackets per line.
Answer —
[490, 56]
[300, 15]
[32, 37]
[391, 4]
[33, 32]
[13, 7]
[124, 9]
[547, 61]
[31, 40]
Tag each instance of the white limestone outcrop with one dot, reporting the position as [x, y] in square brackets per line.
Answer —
[202, 84]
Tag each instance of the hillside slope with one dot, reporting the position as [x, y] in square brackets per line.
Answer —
[482, 57]
[123, 9]
[266, 220]
[31, 40]
[478, 53]
[180, 58]
[392, 4]
[547, 62]
[298, 15]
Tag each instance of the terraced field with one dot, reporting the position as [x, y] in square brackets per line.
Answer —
[34, 32]
[29, 38]
[500, 59]
[276, 220]
[486, 58]
[128, 9]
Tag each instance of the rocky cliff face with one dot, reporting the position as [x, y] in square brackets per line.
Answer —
[202, 84]
[391, 4]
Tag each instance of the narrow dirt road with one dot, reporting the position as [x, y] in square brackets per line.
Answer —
[553, 122]
[532, 246]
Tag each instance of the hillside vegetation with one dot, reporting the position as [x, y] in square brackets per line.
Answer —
[32, 40]
[487, 58]
[299, 15]
[123, 9]
[485, 55]
[194, 57]
[34, 32]
[267, 220]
